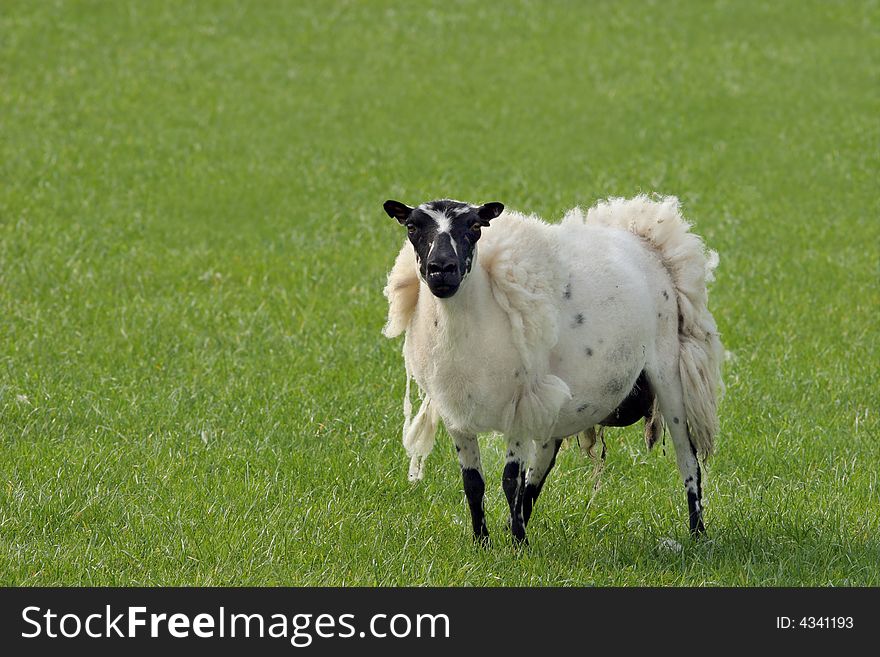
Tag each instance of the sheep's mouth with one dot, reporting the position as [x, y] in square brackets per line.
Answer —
[444, 287]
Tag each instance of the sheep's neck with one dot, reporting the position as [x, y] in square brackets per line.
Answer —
[467, 306]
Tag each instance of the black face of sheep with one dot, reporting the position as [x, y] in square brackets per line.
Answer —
[443, 234]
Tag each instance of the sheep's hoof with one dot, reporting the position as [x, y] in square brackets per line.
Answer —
[698, 529]
[518, 531]
[699, 532]
[481, 533]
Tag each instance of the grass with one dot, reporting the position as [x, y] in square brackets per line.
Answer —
[193, 386]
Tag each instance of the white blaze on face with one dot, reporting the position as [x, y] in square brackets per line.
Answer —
[443, 226]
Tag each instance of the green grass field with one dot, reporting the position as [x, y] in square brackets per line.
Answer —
[194, 389]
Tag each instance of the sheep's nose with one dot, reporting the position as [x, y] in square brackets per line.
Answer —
[442, 267]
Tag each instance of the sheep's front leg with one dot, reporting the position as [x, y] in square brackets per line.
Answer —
[542, 463]
[474, 485]
[513, 482]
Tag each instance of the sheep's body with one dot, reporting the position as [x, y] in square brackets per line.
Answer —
[555, 325]
[467, 364]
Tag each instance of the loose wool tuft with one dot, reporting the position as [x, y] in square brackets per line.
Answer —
[419, 434]
[402, 291]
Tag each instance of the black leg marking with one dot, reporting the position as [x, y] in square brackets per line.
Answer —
[474, 489]
[468, 450]
[695, 505]
[695, 514]
[513, 483]
[531, 492]
[510, 480]
[530, 496]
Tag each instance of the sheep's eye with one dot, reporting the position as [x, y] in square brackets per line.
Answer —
[476, 226]
[410, 228]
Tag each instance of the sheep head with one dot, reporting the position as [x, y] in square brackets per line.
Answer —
[444, 235]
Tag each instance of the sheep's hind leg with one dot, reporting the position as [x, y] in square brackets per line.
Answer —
[542, 463]
[513, 483]
[474, 484]
[671, 400]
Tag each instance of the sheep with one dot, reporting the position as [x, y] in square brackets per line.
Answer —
[543, 331]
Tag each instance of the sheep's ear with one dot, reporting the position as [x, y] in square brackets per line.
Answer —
[397, 210]
[489, 211]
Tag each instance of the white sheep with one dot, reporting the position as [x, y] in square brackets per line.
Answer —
[546, 331]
